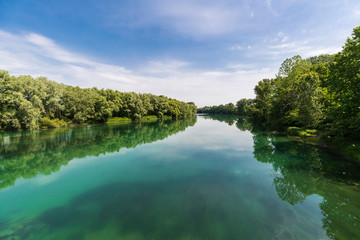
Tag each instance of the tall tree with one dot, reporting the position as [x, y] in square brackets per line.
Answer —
[263, 105]
[344, 87]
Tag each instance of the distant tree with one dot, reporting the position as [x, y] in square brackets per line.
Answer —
[230, 109]
[244, 106]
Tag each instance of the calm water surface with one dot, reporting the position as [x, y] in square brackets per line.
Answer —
[210, 178]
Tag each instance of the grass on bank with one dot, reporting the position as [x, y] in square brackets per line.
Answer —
[147, 118]
[115, 120]
[52, 123]
[47, 123]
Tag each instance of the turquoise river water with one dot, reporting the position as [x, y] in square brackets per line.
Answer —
[195, 179]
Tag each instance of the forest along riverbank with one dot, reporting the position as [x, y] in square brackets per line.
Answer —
[28, 103]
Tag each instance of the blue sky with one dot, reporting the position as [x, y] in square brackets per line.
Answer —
[210, 52]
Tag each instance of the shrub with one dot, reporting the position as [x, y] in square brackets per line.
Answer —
[45, 122]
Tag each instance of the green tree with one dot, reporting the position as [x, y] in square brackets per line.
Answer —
[244, 106]
[262, 109]
[309, 102]
[344, 88]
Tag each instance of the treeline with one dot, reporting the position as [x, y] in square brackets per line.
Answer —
[321, 92]
[241, 108]
[28, 103]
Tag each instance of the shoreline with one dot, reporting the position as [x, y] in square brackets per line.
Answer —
[110, 121]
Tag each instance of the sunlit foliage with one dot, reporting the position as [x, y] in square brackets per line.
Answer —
[28, 103]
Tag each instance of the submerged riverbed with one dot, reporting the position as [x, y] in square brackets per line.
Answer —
[205, 178]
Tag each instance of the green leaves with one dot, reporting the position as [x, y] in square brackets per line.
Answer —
[295, 97]
[322, 91]
[24, 101]
[344, 88]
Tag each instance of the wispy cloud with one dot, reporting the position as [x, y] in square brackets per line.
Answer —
[37, 55]
[268, 3]
[237, 47]
[356, 13]
[241, 66]
[197, 19]
[163, 67]
[34, 54]
[303, 48]
[282, 45]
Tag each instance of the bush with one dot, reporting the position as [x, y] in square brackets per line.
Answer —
[293, 131]
[149, 118]
[52, 123]
[301, 132]
[118, 120]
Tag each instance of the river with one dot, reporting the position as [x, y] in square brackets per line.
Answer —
[194, 179]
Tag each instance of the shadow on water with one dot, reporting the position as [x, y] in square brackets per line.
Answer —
[27, 154]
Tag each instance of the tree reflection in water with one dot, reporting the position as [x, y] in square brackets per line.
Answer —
[303, 170]
[27, 154]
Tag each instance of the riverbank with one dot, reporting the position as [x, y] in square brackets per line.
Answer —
[349, 148]
[346, 147]
[148, 118]
[122, 120]
[46, 123]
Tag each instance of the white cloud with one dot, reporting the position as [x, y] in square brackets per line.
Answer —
[268, 3]
[217, 74]
[36, 55]
[204, 19]
[241, 66]
[197, 19]
[303, 48]
[237, 47]
[356, 13]
[164, 66]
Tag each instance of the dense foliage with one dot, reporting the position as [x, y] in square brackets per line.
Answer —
[320, 92]
[28, 103]
[297, 96]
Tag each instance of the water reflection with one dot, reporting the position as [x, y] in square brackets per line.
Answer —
[27, 154]
[230, 120]
[291, 191]
[303, 170]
